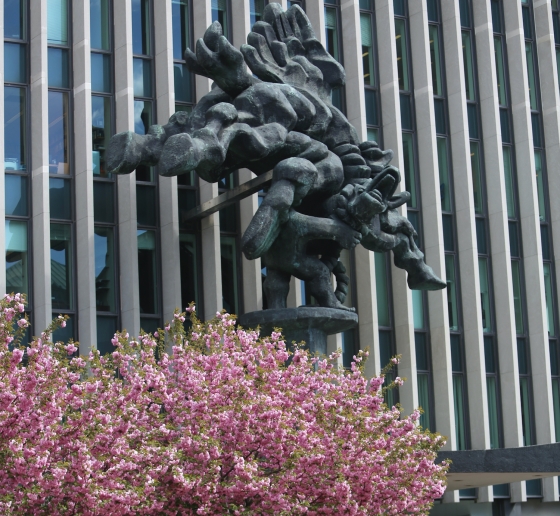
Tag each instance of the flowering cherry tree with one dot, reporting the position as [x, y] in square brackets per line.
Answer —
[224, 422]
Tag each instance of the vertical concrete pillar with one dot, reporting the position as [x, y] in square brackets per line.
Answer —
[126, 184]
[315, 11]
[83, 173]
[40, 210]
[167, 186]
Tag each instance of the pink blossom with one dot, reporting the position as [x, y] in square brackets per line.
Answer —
[22, 323]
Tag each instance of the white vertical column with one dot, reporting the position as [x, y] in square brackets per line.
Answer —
[499, 233]
[83, 167]
[551, 121]
[530, 227]
[2, 170]
[251, 269]
[42, 306]
[466, 226]
[167, 186]
[126, 184]
[315, 10]
[431, 214]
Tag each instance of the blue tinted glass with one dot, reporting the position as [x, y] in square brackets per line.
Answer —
[406, 112]
[141, 27]
[15, 157]
[149, 324]
[504, 124]
[14, 19]
[513, 240]
[535, 122]
[348, 347]
[180, 20]
[100, 132]
[364, 4]
[58, 133]
[142, 116]
[16, 195]
[337, 98]
[142, 70]
[66, 333]
[99, 24]
[103, 202]
[61, 267]
[527, 26]
[105, 284]
[422, 362]
[534, 488]
[545, 243]
[385, 347]
[101, 72]
[439, 109]
[465, 13]
[496, 19]
[399, 7]
[371, 107]
[183, 83]
[501, 490]
[15, 69]
[489, 358]
[481, 236]
[58, 68]
[522, 357]
[146, 205]
[60, 199]
[448, 241]
[467, 493]
[473, 121]
[556, 22]
[433, 11]
[57, 22]
[456, 357]
[106, 329]
[554, 369]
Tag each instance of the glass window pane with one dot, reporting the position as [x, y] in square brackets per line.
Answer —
[372, 135]
[451, 292]
[472, 115]
[525, 411]
[545, 243]
[549, 296]
[149, 324]
[465, 13]
[142, 70]
[399, 7]
[187, 201]
[57, 22]
[476, 178]
[500, 71]
[364, 4]
[256, 8]
[433, 11]
[437, 83]
[423, 380]
[106, 329]
[418, 309]
[409, 175]
[481, 236]
[531, 75]
[456, 354]
[402, 54]
[406, 112]
[15, 153]
[444, 181]
[17, 273]
[459, 412]
[522, 357]
[504, 126]
[105, 260]
[183, 83]
[58, 68]
[14, 19]
[448, 237]
[104, 202]
[189, 269]
[517, 299]
[147, 270]
[382, 290]
[101, 72]
[496, 16]
[514, 247]
[492, 392]
[510, 192]
[556, 404]
[145, 205]
[230, 293]
[181, 27]
[220, 14]
[468, 65]
[228, 219]
[366, 28]
[101, 133]
[58, 133]
[540, 185]
[536, 126]
[439, 112]
[60, 198]
[142, 116]
[554, 362]
[421, 346]
[485, 294]
[15, 66]
[346, 260]
[489, 355]
[331, 33]
[15, 195]
[371, 107]
[141, 24]
[99, 23]
[61, 267]
[349, 349]
[66, 333]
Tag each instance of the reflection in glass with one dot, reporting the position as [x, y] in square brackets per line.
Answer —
[484, 294]
[451, 292]
[58, 68]
[147, 270]
[331, 33]
[540, 185]
[256, 8]
[105, 290]
[15, 195]
[142, 71]
[437, 83]
[15, 67]
[57, 22]
[468, 65]
[181, 27]
[17, 273]
[60, 198]
[101, 72]
[100, 133]
[402, 55]
[15, 157]
[183, 83]
[367, 49]
[220, 14]
[141, 41]
[142, 116]
[409, 176]
[459, 407]
[99, 24]
[382, 290]
[373, 135]
[500, 70]
[531, 75]
[14, 19]
[423, 380]
[61, 267]
[517, 300]
[58, 133]
[189, 269]
[104, 202]
[418, 309]
[230, 292]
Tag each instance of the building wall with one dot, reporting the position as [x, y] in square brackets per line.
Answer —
[464, 92]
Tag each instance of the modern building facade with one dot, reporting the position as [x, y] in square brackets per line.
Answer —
[466, 93]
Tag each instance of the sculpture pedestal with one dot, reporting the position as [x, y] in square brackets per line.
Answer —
[307, 323]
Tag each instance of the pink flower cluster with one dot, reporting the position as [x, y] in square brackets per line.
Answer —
[225, 425]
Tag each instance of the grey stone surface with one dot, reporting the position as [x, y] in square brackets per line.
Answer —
[309, 324]
[329, 192]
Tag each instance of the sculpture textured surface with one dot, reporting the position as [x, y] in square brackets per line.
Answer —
[329, 192]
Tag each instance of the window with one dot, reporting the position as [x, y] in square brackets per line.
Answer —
[183, 79]
[220, 13]
[333, 45]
